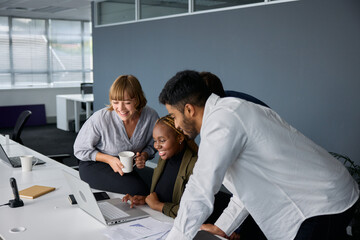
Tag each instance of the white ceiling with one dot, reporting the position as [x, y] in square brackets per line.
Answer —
[55, 9]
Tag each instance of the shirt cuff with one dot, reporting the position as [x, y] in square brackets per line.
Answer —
[229, 224]
[93, 155]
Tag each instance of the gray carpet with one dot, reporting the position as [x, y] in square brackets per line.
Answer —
[48, 140]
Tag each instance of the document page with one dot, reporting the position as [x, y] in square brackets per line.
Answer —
[145, 228]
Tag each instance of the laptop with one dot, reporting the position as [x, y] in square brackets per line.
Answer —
[204, 235]
[108, 212]
[15, 161]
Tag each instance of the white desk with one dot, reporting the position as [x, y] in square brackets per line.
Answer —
[3, 140]
[50, 216]
[68, 107]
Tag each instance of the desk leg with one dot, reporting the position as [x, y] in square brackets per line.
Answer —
[62, 113]
[77, 116]
[88, 109]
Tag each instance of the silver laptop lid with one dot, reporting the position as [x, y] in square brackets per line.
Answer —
[84, 197]
[4, 156]
[87, 202]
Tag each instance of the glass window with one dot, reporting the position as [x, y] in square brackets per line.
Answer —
[89, 77]
[29, 45]
[30, 79]
[5, 80]
[4, 47]
[120, 11]
[88, 61]
[115, 11]
[152, 8]
[88, 53]
[67, 77]
[200, 5]
[66, 46]
[4, 24]
[38, 52]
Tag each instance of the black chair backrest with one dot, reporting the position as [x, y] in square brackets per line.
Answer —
[86, 88]
[19, 125]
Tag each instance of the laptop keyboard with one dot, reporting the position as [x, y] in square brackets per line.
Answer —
[110, 211]
[16, 161]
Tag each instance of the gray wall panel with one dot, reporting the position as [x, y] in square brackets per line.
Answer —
[301, 58]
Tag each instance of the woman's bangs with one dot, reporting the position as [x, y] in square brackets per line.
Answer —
[118, 92]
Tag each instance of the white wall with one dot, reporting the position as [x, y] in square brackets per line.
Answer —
[47, 96]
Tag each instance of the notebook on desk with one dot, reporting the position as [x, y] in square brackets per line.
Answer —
[15, 161]
[108, 212]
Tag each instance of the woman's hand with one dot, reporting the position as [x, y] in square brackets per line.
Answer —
[213, 229]
[135, 200]
[116, 165]
[153, 201]
[141, 159]
[114, 162]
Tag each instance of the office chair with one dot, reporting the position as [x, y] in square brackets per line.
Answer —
[19, 126]
[86, 88]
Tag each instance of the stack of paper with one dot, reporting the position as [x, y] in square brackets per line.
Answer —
[145, 228]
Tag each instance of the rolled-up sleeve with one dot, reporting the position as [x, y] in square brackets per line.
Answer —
[86, 141]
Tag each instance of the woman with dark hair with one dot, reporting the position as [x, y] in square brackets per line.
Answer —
[125, 125]
[178, 156]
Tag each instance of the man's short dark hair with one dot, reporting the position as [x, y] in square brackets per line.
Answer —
[214, 83]
[185, 87]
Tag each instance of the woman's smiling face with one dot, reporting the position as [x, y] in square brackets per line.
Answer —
[166, 141]
[126, 108]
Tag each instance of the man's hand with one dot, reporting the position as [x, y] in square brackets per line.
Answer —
[213, 229]
[234, 236]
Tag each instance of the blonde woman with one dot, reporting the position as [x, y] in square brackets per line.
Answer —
[125, 125]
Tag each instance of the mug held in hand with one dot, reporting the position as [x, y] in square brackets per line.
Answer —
[127, 160]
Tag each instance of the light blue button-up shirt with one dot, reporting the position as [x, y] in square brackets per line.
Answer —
[105, 132]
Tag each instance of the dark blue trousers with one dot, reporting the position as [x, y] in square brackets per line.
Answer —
[101, 176]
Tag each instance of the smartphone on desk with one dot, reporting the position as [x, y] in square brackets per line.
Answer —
[98, 196]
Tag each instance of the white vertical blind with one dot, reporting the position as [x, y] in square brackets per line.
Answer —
[5, 76]
[4, 44]
[88, 61]
[29, 51]
[37, 52]
[29, 48]
[66, 46]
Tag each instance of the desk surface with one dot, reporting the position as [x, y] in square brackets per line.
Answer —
[78, 97]
[3, 141]
[50, 216]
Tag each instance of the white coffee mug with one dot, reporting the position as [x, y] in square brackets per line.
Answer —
[26, 163]
[127, 159]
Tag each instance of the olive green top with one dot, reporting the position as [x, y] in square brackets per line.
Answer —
[186, 168]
